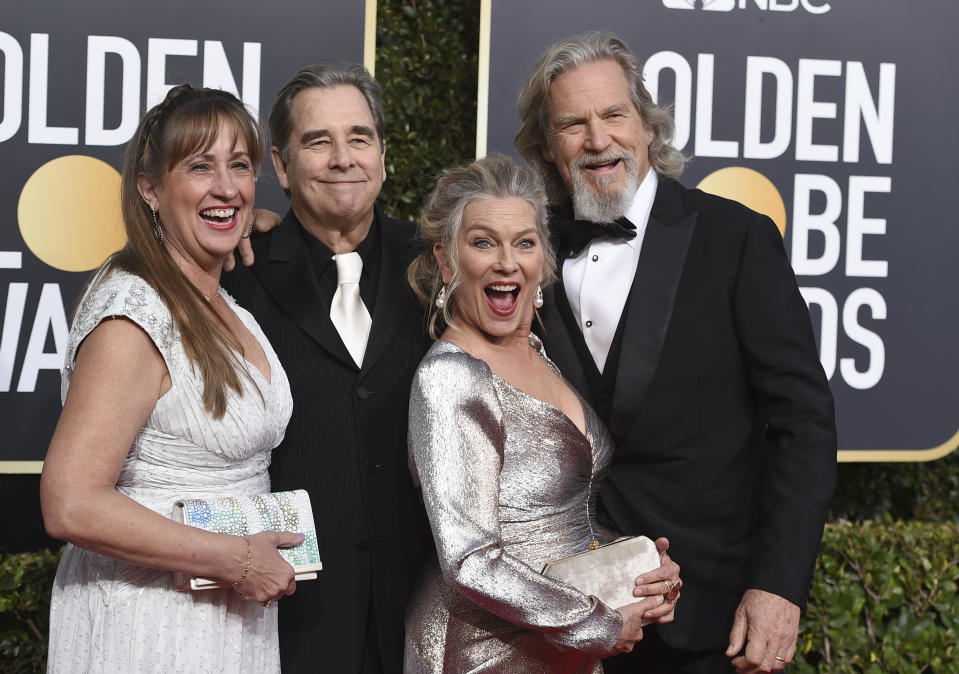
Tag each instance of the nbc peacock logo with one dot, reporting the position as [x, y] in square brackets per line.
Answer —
[763, 5]
[708, 5]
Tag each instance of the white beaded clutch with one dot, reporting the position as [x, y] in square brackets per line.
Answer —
[251, 514]
[608, 572]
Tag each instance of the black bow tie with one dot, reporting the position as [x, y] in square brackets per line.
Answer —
[575, 235]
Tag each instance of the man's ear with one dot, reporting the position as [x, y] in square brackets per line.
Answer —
[148, 191]
[547, 155]
[442, 259]
[280, 167]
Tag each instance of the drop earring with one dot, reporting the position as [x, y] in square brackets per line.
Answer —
[157, 230]
[441, 298]
[249, 230]
[538, 300]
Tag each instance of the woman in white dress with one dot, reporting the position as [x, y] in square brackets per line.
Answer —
[180, 396]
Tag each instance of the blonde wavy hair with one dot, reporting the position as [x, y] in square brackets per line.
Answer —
[493, 177]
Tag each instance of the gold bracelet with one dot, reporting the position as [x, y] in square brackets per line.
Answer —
[246, 568]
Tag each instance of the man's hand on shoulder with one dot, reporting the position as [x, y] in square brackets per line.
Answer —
[263, 221]
[768, 625]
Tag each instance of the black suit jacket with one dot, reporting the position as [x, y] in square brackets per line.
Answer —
[722, 415]
[346, 445]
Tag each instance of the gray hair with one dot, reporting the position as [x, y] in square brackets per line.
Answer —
[563, 56]
[495, 176]
[324, 76]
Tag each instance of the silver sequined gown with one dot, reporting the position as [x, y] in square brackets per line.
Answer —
[507, 480]
[110, 616]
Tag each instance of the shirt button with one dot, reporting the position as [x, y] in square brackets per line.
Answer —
[363, 393]
[589, 324]
[595, 258]
[372, 467]
[362, 543]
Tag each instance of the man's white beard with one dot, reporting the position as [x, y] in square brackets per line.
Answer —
[591, 200]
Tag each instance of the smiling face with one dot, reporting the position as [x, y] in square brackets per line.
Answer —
[336, 164]
[204, 202]
[596, 139]
[500, 261]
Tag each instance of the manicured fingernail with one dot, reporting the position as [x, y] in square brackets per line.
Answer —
[247, 260]
[301, 536]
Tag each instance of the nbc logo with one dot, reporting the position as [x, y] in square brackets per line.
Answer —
[708, 5]
[766, 5]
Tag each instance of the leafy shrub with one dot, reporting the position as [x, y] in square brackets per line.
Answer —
[884, 600]
[25, 582]
[426, 60]
[920, 491]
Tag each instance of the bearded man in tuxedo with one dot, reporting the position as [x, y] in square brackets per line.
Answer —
[679, 318]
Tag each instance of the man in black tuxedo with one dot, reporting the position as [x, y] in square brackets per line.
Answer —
[683, 325]
[350, 358]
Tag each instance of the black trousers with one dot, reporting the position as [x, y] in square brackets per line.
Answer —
[370, 664]
[653, 656]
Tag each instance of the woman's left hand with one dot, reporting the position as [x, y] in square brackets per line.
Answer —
[663, 581]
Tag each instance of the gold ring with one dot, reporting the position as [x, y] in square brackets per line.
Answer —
[780, 659]
[265, 604]
[670, 589]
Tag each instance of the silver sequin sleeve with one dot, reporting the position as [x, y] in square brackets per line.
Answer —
[458, 436]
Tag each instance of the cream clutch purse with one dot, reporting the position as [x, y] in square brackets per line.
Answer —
[608, 572]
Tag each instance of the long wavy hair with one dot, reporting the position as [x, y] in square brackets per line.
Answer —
[496, 177]
[187, 122]
[533, 136]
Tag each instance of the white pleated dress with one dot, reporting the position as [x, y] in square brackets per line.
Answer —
[110, 616]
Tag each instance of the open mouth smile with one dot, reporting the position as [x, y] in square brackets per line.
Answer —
[501, 297]
[604, 167]
[220, 218]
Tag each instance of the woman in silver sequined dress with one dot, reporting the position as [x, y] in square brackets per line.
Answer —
[508, 455]
[170, 391]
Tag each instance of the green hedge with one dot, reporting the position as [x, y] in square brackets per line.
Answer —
[25, 582]
[426, 53]
[884, 600]
[920, 491]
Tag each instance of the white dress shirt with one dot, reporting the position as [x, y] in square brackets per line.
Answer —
[597, 281]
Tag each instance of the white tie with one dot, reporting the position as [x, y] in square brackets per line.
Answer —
[348, 313]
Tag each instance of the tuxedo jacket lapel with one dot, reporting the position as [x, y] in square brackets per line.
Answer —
[650, 307]
[288, 278]
[559, 332]
[389, 295]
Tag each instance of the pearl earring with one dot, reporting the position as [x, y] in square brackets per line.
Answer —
[538, 300]
[441, 298]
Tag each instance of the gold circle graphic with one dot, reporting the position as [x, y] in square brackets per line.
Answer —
[748, 187]
[69, 212]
